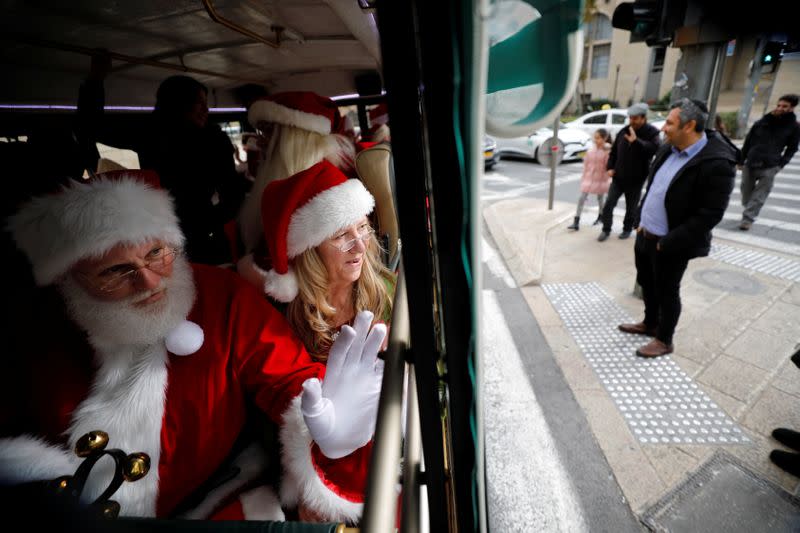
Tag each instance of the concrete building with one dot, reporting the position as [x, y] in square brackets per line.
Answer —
[616, 69]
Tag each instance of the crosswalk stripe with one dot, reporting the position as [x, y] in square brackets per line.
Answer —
[779, 224]
[781, 195]
[750, 239]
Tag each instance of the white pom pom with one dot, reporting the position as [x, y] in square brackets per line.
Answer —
[185, 339]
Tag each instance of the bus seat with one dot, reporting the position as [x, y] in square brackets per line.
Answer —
[375, 169]
[105, 165]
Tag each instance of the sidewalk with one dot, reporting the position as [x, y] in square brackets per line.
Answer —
[737, 330]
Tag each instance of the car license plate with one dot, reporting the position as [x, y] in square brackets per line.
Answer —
[488, 154]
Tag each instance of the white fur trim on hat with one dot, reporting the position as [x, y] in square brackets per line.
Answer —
[282, 287]
[269, 111]
[88, 219]
[327, 213]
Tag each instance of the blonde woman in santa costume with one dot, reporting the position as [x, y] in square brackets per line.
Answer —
[301, 129]
[174, 353]
[322, 267]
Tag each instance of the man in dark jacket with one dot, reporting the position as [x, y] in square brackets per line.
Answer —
[627, 165]
[770, 144]
[688, 190]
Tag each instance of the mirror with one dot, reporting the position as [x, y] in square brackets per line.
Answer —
[535, 55]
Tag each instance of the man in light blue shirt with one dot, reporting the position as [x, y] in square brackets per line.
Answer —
[688, 191]
[654, 215]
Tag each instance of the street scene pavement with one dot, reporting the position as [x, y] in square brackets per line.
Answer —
[635, 443]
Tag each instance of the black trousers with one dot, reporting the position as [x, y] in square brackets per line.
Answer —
[632, 194]
[659, 275]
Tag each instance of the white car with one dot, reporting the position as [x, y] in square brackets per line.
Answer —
[658, 124]
[576, 143]
[612, 120]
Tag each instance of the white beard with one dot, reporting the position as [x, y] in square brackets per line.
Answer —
[120, 324]
[127, 396]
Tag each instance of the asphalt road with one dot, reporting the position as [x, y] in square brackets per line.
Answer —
[777, 228]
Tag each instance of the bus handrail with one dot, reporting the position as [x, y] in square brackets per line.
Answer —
[380, 502]
[279, 30]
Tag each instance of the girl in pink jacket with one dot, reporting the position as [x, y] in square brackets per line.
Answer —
[595, 179]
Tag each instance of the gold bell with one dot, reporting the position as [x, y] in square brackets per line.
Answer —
[136, 466]
[91, 442]
[109, 509]
[62, 484]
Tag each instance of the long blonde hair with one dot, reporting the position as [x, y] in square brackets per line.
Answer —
[311, 314]
[290, 150]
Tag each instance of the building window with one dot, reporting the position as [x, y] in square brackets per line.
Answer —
[658, 59]
[597, 52]
[600, 57]
[599, 28]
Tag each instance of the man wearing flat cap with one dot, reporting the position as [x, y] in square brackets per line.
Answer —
[628, 163]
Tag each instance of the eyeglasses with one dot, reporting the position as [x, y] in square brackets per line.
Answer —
[113, 279]
[364, 234]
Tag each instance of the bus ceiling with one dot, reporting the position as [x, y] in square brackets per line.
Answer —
[319, 45]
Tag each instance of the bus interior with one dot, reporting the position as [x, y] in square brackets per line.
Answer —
[439, 66]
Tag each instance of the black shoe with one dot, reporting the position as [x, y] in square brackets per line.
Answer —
[625, 234]
[603, 236]
[574, 224]
[786, 461]
[787, 437]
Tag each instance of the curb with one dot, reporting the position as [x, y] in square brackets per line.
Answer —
[519, 228]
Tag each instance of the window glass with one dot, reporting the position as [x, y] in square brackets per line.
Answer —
[599, 28]
[600, 57]
[618, 118]
[597, 119]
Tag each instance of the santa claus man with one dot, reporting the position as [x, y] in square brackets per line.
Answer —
[174, 353]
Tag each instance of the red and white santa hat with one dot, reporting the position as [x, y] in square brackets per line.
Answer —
[300, 213]
[88, 219]
[379, 115]
[301, 109]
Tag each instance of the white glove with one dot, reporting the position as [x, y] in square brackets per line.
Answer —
[341, 412]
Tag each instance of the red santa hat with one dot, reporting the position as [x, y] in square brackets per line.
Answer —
[379, 115]
[88, 219]
[301, 109]
[298, 214]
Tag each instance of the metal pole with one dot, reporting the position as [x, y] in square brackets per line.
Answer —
[553, 163]
[380, 502]
[716, 81]
[616, 81]
[749, 95]
[411, 459]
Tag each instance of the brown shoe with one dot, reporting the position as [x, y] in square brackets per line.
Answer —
[640, 329]
[745, 225]
[654, 348]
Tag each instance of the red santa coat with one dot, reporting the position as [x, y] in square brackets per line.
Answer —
[189, 410]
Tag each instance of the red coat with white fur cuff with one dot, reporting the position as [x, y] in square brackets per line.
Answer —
[185, 412]
[332, 488]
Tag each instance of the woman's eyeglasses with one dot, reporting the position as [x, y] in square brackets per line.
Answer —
[158, 261]
[364, 234]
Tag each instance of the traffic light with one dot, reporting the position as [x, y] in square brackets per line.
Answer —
[772, 54]
[650, 21]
